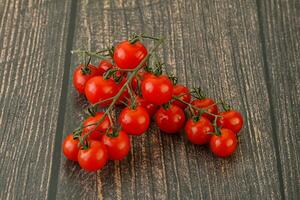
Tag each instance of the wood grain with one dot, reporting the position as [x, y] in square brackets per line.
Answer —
[32, 45]
[280, 29]
[214, 44]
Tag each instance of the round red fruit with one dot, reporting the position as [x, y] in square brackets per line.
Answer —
[150, 107]
[198, 130]
[134, 121]
[101, 128]
[157, 89]
[129, 56]
[183, 93]
[93, 158]
[225, 144]
[208, 104]
[231, 119]
[98, 89]
[170, 120]
[70, 147]
[139, 77]
[104, 65]
[118, 145]
[82, 75]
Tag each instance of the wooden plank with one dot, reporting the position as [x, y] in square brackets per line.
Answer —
[215, 44]
[280, 29]
[32, 49]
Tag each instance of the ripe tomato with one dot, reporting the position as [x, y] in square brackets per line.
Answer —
[80, 78]
[184, 93]
[129, 56]
[70, 147]
[98, 89]
[118, 146]
[93, 158]
[104, 65]
[134, 121]
[208, 104]
[170, 120]
[150, 107]
[231, 119]
[198, 132]
[224, 145]
[101, 128]
[157, 89]
[142, 76]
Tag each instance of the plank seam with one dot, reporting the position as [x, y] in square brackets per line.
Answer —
[56, 157]
[271, 101]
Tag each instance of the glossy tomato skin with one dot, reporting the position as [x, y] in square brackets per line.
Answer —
[80, 79]
[150, 107]
[98, 89]
[118, 146]
[184, 93]
[104, 65]
[141, 76]
[101, 128]
[170, 120]
[134, 121]
[231, 119]
[224, 145]
[129, 56]
[70, 147]
[157, 89]
[93, 158]
[207, 104]
[198, 132]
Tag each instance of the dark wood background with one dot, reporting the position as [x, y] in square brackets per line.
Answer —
[244, 51]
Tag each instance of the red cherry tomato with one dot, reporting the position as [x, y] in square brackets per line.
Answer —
[150, 107]
[101, 128]
[208, 104]
[231, 119]
[98, 89]
[80, 78]
[104, 65]
[198, 132]
[224, 145]
[157, 89]
[118, 146]
[93, 158]
[70, 147]
[170, 120]
[129, 56]
[184, 93]
[141, 77]
[134, 121]
[125, 95]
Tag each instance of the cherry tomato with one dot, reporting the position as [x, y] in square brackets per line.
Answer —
[125, 95]
[93, 158]
[198, 132]
[70, 147]
[101, 128]
[129, 56]
[118, 146]
[184, 93]
[231, 119]
[157, 89]
[134, 121]
[150, 107]
[224, 145]
[80, 78]
[142, 76]
[208, 104]
[98, 89]
[104, 65]
[170, 120]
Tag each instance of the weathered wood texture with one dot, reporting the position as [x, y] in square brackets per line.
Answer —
[32, 51]
[280, 26]
[243, 51]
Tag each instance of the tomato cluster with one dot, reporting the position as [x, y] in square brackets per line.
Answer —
[126, 77]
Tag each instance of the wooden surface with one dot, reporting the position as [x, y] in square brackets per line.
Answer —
[244, 51]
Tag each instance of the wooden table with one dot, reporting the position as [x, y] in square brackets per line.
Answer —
[244, 51]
